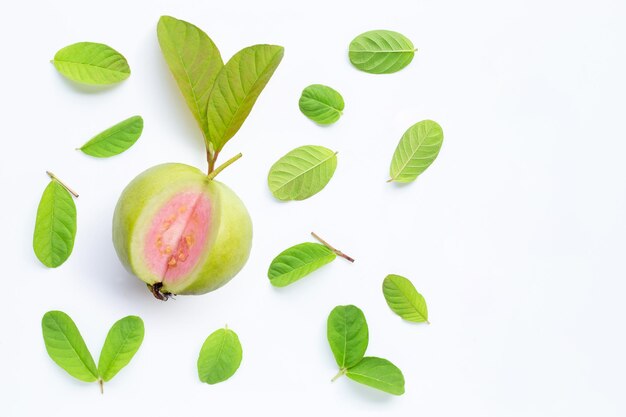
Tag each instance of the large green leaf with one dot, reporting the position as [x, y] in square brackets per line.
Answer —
[322, 104]
[116, 139]
[378, 373]
[121, 344]
[417, 150]
[404, 300]
[66, 346]
[220, 356]
[55, 227]
[302, 172]
[194, 60]
[381, 51]
[347, 335]
[237, 88]
[297, 262]
[91, 63]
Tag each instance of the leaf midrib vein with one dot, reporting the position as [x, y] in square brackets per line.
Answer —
[412, 153]
[305, 171]
[114, 358]
[410, 300]
[91, 65]
[73, 348]
[235, 114]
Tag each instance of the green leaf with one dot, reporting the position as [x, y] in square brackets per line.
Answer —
[297, 262]
[378, 373]
[381, 51]
[66, 346]
[121, 344]
[116, 139]
[237, 88]
[55, 227]
[220, 356]
[404, 300]
[91, 63]
[417, 150]
[194, 61]
[321, 104]
[302, 172]
[347, 335]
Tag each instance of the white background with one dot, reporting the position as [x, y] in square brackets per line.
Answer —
[515, 235]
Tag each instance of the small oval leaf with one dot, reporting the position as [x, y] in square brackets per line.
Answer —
[55, 227]
[121, 344]
[302, 172]
[322, 104]
[378, 373]
[404, 300]
[91, 63]
[381, 51]
[220, 356]
[417, 150]
[194, 61]
[236, 89]
[116, 139]
[66, 346]
[347, 335]
[297, 262]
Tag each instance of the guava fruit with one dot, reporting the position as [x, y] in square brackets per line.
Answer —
[180, 231]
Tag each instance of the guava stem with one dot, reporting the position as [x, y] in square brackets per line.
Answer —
[212, 158]
[341, 372]
[54, 177]
[337, 251]
[390, 180]
[101, 383]
[213, 173]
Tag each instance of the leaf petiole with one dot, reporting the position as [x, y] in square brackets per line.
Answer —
[337, 251]
[341, 372]
[213, 173]
[54, 177]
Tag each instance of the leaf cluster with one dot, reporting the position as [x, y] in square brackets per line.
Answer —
[67, 348]
[348, 337]
[220, 95]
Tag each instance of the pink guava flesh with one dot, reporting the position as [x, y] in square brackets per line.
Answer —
[177, 236]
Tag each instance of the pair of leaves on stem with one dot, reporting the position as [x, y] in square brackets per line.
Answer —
[67, 348]
[300, 260]
[55, 225]
[417, 150]
[348, 337]
[220, 356]
[302, 172]
[322, 104]
[220, 96]
[381, 52]
[404, 300]
[91, 63]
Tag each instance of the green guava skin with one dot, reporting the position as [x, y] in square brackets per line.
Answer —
[230, 234]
